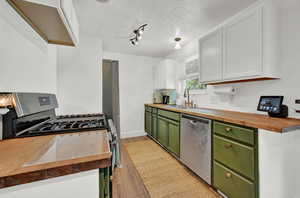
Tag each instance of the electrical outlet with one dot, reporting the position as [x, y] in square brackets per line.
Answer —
[297, 102]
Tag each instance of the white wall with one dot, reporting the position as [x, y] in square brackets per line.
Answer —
[79, 77]
[248, 94]
[27, 63]
[136, 89]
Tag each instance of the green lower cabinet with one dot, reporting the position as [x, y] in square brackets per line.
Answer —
[163, 131]
[237, 156]
[154, 126]
[104, 183]
[235, 160]
[168, 134]
[231, 184]
[148, 122]
[174, 138]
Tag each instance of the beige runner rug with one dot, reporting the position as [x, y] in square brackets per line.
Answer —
[163, 175]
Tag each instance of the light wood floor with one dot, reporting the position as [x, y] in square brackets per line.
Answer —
[162, 174]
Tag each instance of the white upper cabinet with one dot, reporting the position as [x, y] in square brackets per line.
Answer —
[245, 47]
[165, 74]
[210, 56]
[54, 20]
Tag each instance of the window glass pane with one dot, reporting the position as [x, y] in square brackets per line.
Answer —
[194, 84]
[192, 67]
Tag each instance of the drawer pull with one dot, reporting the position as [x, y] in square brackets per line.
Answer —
[228, 129]
[228, 146]
[228, 175]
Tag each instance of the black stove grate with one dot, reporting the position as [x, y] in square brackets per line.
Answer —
[71, 123]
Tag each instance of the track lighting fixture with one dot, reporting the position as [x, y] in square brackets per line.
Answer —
[138, 34]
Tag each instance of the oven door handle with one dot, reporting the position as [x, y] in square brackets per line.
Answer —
[114, 144]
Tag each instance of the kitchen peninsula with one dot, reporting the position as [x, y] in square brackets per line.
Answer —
[68, 164]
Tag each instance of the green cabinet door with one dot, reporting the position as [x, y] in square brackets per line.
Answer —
[162, 131]
[104, 183]
[154, 126]
[148, 122]
[174, 137]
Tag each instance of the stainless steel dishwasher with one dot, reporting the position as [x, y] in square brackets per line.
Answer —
[195, 145]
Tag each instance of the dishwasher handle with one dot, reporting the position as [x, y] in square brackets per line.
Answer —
[194, 120]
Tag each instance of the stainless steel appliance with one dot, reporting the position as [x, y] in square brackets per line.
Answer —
[114, 146]
[33, 114]
[195, 145]
[111, 103]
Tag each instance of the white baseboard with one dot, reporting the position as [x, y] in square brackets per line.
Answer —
[131, 134]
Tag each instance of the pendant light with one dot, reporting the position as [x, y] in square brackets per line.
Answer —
[177, 43]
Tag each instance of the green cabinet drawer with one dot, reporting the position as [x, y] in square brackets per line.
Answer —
[169, 114]
[174, 138]
[244, 135]
[154, 126]
[236, 156]
[232, 184]
[148, 109]
[148, 122]
[162, 131]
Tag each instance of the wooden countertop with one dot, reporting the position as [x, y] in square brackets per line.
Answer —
[253, 120]
[24, 160]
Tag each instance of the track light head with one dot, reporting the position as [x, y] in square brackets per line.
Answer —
[132, 42]
[139, 37]
[141, 31]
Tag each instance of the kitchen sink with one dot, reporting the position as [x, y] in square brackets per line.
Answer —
[181, 107]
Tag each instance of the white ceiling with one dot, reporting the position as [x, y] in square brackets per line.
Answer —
[115, 20]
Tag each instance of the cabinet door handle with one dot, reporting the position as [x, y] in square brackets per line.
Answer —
[228, 129]
[228, 175]
[228, 146]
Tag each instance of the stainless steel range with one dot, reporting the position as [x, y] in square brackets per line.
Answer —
[33, 114]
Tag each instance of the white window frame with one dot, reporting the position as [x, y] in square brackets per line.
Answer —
[191, 77]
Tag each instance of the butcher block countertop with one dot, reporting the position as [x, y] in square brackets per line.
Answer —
[253, 120]
[24, 160]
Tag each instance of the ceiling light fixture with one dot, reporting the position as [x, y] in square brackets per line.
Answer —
[177, 43]
[138, 34]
